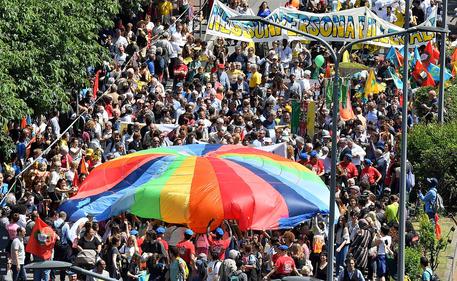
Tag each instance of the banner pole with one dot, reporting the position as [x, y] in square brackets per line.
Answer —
[404, 147]
[443, 65]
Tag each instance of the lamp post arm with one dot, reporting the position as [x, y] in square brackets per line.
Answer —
[397, 33]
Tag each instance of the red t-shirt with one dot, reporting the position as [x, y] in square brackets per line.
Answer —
[164, 243]
[180, 68]
[186, 249]
[318, 166]
[369, 174]
[349, 169]
[284, 265]
[219, 246]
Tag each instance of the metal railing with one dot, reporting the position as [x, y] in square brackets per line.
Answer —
[46, 151]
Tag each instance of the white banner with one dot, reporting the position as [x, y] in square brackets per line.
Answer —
[278, 149]
[342, 26]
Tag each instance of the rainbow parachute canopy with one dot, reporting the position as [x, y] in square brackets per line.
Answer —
[193, 184]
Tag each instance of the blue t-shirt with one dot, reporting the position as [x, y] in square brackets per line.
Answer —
[427, 275]
[4, 190]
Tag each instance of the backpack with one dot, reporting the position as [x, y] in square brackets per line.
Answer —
[202, 266]
[63, 241]
[433, 276]
[438, 205]
[236, 276]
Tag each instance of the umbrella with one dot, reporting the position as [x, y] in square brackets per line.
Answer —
[194, 184]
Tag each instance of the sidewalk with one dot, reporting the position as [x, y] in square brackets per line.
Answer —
[451, 274]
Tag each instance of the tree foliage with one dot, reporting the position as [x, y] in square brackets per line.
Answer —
[412, 262]
[450, 102]
[432, 150]
[46, 47]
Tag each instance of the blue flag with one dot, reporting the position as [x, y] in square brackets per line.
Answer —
[397, 81]
[416, 56]
[434, 71]
[391, 55]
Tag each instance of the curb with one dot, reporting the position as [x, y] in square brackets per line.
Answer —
[452, 262]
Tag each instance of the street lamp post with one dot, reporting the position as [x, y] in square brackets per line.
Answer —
[336, 56]
[404, 150]
[443, 65]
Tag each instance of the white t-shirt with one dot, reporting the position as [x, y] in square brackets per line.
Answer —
[382, 246]
[213, 270]
[17, 245]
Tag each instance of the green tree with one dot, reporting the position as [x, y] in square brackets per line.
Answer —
[412, 262]
[450, 103]
[432, 150]
[45, 49]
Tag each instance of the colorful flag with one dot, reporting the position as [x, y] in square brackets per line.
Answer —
[428, 81]
[295, 118]
[416, 56]
[395, 56]
[346, 56]
[328, 93]
[96, 80]
[23, 122]
[434, 70]
[397, 81]
[454, 56]
[454, 62]
[346, 112]
[75, 181]
[311, 119]
[390, 54]
[371, 86]
[328, 71]
[399, 57]
[42, 240]
[82, 169]
[433, 53]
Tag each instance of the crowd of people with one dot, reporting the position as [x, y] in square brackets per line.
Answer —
[165, 86]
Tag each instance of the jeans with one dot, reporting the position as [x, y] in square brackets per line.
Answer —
[19, 274]
[340, 257]
[41, 274]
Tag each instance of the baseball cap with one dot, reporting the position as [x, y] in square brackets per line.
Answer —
[348, 155]
[325, 134]
[368, 161]
[134, 232]
[160, 230]
[189, 232]
[313, 153]
[303, 156]
[283, 247]
[219, 231]
[432, 181]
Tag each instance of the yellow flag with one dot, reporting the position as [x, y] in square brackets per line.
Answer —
[346, 56]
[371, 86]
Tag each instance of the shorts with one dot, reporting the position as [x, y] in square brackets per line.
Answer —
[381, 266]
